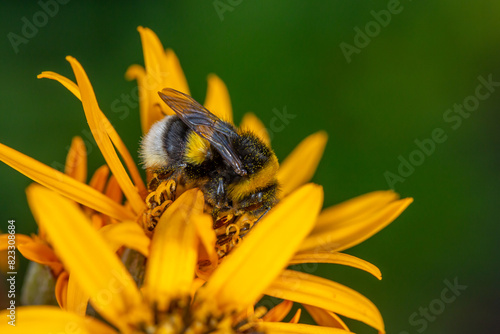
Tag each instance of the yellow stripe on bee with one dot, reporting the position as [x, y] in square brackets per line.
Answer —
[258, 180]
[196, 149]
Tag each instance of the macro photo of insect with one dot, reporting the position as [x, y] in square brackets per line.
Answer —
[235, 171]
[235, 167]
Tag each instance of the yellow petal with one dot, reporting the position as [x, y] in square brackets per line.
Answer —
[152, 49]
[84, 253]
[207, 263]
[197, 283]
[207, 239]
[50, 319]
[337, 258]
[252, 123]
[279, 312]
[41, 253]
[77, 299]
[279, 233]
[162, 66]
[171, 264]
[4, 265]
[162, 70]
[346, 234]
[365, 204]
[62, 183]
[150, 107]
[217, 100]
[115, 138]
[332, 296]
[19, 240]
[61, 289]
[325, 318]
[97, 220]
[113, 190]
[205, 232]
[113, 135]
[295, 319]
[128, 234]
[300, 165]
[76, 161]
[138, 73]
[70, 85]
[100, 178]
[284, 328]
[173, 66]
[100, 126]
[243, 316]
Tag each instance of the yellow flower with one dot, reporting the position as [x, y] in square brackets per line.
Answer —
[37, 247]
[182, 246]
[162, 69]
[164, 304]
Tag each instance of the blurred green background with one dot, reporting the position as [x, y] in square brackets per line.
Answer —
[394, 89]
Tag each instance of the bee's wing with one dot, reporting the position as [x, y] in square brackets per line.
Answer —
[205, 124]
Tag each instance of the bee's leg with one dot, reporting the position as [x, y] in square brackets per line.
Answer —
[164, 174]
[157, 176]
[220, 192]
[218, 196]
[215, 213]
[255, 223]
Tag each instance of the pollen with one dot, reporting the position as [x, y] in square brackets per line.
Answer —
[230, 230]
[182, 316]
[164, 189]
[157, 201]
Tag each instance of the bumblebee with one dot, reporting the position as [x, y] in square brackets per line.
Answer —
[234, 168]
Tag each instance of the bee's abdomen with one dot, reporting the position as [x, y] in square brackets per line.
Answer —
[163, 145]
[174, 139]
